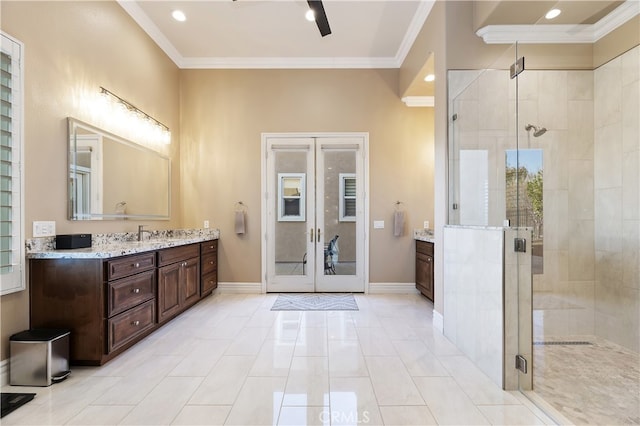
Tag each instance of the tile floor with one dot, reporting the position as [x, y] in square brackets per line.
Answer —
[231, 360]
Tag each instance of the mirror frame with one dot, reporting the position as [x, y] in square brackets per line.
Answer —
[72, 124]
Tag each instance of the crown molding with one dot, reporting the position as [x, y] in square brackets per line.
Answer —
[141, 18]
[419, 18]
[419, 101]
[553, 34]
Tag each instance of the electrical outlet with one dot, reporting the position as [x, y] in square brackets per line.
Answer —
[206, 224]
[378, 224]
[426, 224]
[44, 228]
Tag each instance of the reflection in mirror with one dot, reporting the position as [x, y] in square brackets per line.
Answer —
[113, 178]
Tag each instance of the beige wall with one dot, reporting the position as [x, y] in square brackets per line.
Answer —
[72, 48]
[224, 114]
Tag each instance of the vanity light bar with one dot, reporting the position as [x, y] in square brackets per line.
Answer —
[132, 108]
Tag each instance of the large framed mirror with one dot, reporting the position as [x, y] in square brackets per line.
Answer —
[114, 178]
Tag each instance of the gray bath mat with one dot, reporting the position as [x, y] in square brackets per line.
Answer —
[315, 302]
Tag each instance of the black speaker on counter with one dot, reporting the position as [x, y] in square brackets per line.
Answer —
[73, 241]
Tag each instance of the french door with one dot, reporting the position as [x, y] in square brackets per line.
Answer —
[314, 212]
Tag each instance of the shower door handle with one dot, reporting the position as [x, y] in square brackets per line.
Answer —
[311, 239]
[318, 235]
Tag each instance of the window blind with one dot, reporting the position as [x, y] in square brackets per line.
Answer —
[11, 226]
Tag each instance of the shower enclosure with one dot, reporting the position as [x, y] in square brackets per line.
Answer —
[557, 153]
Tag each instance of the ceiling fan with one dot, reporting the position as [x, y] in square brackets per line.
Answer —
[320, 16]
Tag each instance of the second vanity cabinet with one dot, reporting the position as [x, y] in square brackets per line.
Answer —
[110, 304]
[424, 268]
[178, 280]
[209, 268]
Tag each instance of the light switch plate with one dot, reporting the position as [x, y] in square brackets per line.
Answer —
[44, 228]
[426, 224]
[206, 224]
[378, 224]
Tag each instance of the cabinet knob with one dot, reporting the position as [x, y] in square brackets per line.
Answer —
[135, 290]
[211, 263]
[210, 247]
[136, 265]
[184, 264]
[135, 323]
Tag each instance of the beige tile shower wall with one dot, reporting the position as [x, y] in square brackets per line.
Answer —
[617, 193]
[473, 295]
[562, 102]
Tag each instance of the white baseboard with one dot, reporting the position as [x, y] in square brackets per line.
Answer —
[393, 288]
[438, 321]
[239, 288]
[4, 372]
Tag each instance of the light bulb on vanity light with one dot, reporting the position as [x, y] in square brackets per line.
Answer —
[429, 78]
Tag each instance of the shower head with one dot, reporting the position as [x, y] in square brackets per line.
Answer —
[537, 131]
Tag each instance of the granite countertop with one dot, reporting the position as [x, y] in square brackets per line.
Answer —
[104, 246]
[424, 235]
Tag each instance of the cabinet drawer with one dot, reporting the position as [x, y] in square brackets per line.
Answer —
[176, 254]
[424, 247]
[129, 265]
[209, 263]
[209, 246]
[209, 282]
[128, 325]
[128, 292]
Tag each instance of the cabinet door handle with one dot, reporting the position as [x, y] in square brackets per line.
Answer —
[311, 239]
[135, 323]
[135, 290]
[318, 235]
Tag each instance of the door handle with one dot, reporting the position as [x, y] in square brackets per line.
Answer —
[311, 239]
[318, 235]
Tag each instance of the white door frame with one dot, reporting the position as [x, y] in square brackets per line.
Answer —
[265, 190]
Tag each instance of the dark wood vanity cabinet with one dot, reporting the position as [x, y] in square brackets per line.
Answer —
[424, 268]
[209, 266]
[131, 293]
[178, 280]
[110, 304]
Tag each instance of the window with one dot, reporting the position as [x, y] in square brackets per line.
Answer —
[347, 208]
[291, 197]
[11, 200]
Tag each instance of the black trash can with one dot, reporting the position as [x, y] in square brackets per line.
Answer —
[39, 357]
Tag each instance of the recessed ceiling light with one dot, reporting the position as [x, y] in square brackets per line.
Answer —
[553, 13]
[429, 77]
[179, 15]
[310, 15]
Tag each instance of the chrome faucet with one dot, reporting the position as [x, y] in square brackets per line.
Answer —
[141, 232]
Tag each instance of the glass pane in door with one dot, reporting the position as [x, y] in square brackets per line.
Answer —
[339, 212]
[291, 225]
